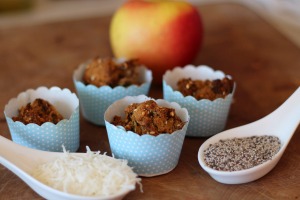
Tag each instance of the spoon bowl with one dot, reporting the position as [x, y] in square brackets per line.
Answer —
[281, 123]
[22, 161]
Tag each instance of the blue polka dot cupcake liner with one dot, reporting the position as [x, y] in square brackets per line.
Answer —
[207, 117]
[95, 100]
[148, 155]
[48, 136]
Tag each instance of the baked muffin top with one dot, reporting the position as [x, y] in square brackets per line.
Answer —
[205, 89]
[149, 118]
[39, 111]
[106, 71]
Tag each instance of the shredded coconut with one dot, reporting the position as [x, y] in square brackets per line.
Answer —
[91, 174]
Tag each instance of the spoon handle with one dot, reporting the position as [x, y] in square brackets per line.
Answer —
[11, 152]
[5, 145]
[286, 118]
[9, 149]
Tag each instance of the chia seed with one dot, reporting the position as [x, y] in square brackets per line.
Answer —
[241, 153]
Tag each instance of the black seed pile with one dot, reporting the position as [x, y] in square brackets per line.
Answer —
[241, 153]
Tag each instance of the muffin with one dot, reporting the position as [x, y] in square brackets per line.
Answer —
[205, 89]
[44, 119]
[100, 82]
[207, 95]
[149, 153]
[38, 112]
[100, 72]
[149, 118]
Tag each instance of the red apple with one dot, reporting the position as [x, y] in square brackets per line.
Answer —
[162, 34]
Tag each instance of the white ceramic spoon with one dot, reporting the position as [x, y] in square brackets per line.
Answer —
[22, 161]
[281, 123]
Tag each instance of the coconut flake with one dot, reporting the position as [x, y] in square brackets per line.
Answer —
[90, 174]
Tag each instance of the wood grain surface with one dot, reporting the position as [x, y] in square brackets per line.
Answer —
[265, 65]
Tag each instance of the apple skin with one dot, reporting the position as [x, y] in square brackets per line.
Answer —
[161, 34]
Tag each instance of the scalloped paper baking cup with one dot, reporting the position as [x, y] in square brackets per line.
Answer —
[48, 136]
[95, 100]
[207, 117]
[148, 155]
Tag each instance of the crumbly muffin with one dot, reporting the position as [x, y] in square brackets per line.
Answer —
[207, 89]
[39, 111]
[149, 118]
[100, 72]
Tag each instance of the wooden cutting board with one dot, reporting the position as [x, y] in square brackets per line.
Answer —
[265, 65]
